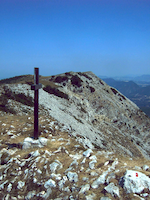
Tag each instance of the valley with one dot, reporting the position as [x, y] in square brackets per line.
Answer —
[138, 93]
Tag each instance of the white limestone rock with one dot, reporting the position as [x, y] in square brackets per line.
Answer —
[35, 153]
[31, 142]
[87, 153]
[92, 164]
[145, 167]
[134, 182]
[13, 198]
[20, 184]
[66, 189]
[39, 171]
[47, 194]
[62, 182]
[30, 195]
[84, 188]
[100, 180]
[87, 143]
[56, 176]
[71, 198]
[137, 196]
[9, 187]
[83, 161]
[112, 167]
[75, 162]
[48, 153]
[50, 184]
[112, 189]
[72, 176]
[93, 173]
[105, 198]
[76, 156]
[2, 185]
[144, 195]
[93, 157]
[40, 194]
[106, 163]
[137, 167]
[54, 166]
[90, 196]
[43, 141]
[7, 197]
[110, 176]
[10, 133]
[85, 179]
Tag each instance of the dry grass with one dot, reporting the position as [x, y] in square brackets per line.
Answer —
[24, 126]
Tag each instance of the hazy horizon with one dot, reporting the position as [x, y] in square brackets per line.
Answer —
[108, 37]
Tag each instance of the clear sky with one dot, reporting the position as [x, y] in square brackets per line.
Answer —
[108, 37]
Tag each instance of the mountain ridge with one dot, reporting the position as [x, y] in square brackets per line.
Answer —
[95, 138]
[83, 98]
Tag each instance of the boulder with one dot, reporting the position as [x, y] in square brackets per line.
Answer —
[50, 184]
[100, 180]
[31, 142]
[134, 182]
[87, 153]
[72, 176]
[112, 189]
[84, 188]
[53, 166]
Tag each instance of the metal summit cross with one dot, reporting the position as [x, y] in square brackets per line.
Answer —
[36, 86]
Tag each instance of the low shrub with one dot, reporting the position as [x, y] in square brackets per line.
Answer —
[20, 97]
[55, 91]
[75, 80]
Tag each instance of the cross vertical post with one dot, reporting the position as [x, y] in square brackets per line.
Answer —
[36, 88]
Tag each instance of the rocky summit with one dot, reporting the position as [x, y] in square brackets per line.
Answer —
[93, 141]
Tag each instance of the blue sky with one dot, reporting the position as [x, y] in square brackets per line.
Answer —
[108, 37]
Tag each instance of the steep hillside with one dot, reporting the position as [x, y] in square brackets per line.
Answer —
[138, 94]
[89, 108]
[128, 88]
[92, 139]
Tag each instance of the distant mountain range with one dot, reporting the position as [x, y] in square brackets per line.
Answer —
[140, 80]
[138, 90]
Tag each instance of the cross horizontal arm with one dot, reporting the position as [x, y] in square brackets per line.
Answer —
[36, 87]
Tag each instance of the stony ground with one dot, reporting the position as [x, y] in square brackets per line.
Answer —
[63, 169]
